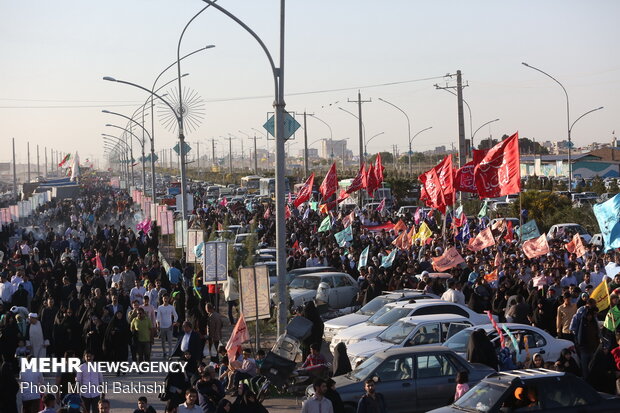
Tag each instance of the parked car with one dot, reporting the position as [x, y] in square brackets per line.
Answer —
[240, 238]
[411, 379]
[564, 230]
[409, 332]
[332, 327]
[597, 239]
[546, 390]
[404, 210]
[393, 312]
[539, 341]
[339, 289]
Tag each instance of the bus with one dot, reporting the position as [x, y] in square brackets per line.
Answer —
[268, 186]
[251, 183]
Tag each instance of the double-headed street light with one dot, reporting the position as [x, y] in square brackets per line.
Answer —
[408, 130]
[279, 105]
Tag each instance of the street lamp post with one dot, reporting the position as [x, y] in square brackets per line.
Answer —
[476, 131]
[408, 129]
[129, 148]
[141, 142]
[279, 105]
[266, 143]
[368, 141]
[331, 138]
[568, 124]
[118, 141]
[570, 129]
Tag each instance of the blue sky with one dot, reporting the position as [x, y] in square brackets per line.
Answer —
[55, 54]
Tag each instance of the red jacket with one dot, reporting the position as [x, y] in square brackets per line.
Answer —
[616, 353]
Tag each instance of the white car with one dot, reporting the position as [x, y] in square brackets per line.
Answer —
[393, 312]
[565, 229]
[337, 289]
[408, 332]
[539, 341]
[333, 326]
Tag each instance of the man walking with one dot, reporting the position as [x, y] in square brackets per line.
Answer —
[90, 379]
[371, 402]
[166, 319]
[318, 403]
[141, 327]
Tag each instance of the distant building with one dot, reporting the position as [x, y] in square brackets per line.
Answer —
[313, 153]
[335, 148]
[559, 147]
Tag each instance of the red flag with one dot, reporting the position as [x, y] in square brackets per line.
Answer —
[464, 179]
[575, 246]
[239, 336]
[498, 173]
[267, 214]
[359, 182]
[510, 234]
[330, 183]
[483, 240]
[99, 263]
[287, 212]
[224, 202]
[459, 221]
[305, 192]
[449, 259]
[381, 205]
[433, 191]
[379, 169]
[445, 172]
[536, 247]
[371, 180]
[296, 245]
[348, 220]
[342, 196]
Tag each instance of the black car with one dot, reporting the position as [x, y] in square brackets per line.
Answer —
[533, 390]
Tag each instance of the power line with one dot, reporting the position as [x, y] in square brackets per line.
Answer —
[312, 92]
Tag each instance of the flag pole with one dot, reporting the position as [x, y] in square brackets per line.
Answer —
[520, 215]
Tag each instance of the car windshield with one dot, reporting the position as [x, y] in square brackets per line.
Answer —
[307, 283]
[458, 342]
[390, 317]
[379, 313]
[373, 306]
[365, 369]
[397, 332]
[481, 398]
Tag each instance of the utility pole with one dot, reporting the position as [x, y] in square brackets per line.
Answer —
[230, 154]
[198, 155]
[461, 121]
[359, 102]
[306, 144]
[212, 152]
[46, 161]
[242, 156]
[28, 145]
[14, 171]
[38, 165]
[256, 156]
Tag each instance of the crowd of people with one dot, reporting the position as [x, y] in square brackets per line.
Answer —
[78, 279]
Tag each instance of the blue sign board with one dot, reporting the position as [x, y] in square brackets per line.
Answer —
[290, 126]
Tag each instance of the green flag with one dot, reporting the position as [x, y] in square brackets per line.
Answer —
[314, 205]
[387, 262]
[344, 236]
[612, 319]
[363, 258]
[325, 225]
[483, 210]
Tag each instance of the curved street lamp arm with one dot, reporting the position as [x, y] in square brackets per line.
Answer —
[587, 113]
[131, 120]
[116, 139]
[209, 46]
[483, 125]
[419, 132]
[556, 81]
[331, 135]
[141, 142]
[404, 113]
[374, 136]
[111, 79]
[274, 69]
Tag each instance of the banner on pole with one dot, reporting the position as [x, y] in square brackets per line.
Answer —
[215, 264]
